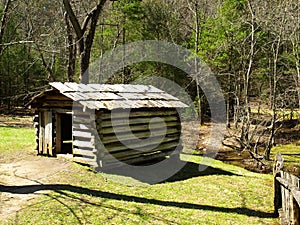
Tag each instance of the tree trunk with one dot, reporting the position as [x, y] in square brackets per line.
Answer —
[246, 129]
[85, 35]
[197, 33]
[71, 50]
[84, 66]
[3, 23]
[273, 91]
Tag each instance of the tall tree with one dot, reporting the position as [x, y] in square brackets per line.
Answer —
[3, 23]
[85, 34]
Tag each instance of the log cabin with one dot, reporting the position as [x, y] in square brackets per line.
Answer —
[103, 125]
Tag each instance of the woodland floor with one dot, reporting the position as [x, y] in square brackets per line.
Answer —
[287, 137]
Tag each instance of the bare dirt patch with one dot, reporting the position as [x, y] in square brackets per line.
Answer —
[15, 175]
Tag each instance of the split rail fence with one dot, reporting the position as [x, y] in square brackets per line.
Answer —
[287, 194]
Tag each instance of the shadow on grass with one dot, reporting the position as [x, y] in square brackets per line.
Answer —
[291, 154]
[188, 170]
[191, 170]
[60, 188]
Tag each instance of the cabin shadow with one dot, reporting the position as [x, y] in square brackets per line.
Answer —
[63, 189]
[191, 170]
[147, 174]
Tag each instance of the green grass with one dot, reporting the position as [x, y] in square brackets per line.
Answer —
[223, 194]
[291, 155]
[284, 114]
[15, 140]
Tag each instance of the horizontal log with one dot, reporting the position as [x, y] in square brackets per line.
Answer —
[135, 128]
[149, 157]
[287, 185]
[57, 103]
[81, 119]
[107, 164]
[83, 134]
[129, 154]
[68, 110]
[82, 126]
[56, 98]
[140, 135]
[89, 153]
[132, 114]
[85, 114]
[149, 143]
[82, 139]
[90, 162]
[83, 144]
[147, 120]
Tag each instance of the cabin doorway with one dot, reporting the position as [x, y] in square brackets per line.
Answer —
[64, 137]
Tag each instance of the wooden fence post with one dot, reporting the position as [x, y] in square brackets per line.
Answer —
[286, 194]
[295, 212]
[277, 196]
[278, 166]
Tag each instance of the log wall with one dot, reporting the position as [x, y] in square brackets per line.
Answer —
[84, 137]
[138, 136]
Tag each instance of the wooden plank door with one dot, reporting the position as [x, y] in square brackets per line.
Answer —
[45, 135]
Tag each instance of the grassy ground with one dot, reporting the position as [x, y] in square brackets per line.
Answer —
[222, 194]
[16, 143]
[291, 155]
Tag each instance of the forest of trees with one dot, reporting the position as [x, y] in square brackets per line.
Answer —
[252, 46]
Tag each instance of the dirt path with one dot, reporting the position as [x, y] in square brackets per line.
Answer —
[14, 175]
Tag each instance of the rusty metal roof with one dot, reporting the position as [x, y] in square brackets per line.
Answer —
[104, 96]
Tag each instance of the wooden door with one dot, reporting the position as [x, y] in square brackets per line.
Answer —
[46, 133]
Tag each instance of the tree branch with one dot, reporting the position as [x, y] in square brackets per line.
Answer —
[73, 19]
[94, 15]
[16, 43]
[87, 19]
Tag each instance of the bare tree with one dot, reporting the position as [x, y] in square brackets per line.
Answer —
[85, 34]
[3, 23]
[71, 48]
[292, 30]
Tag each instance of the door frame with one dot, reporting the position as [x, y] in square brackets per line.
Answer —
[58, 138]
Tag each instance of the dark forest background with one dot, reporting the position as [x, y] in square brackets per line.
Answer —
[252, 47]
